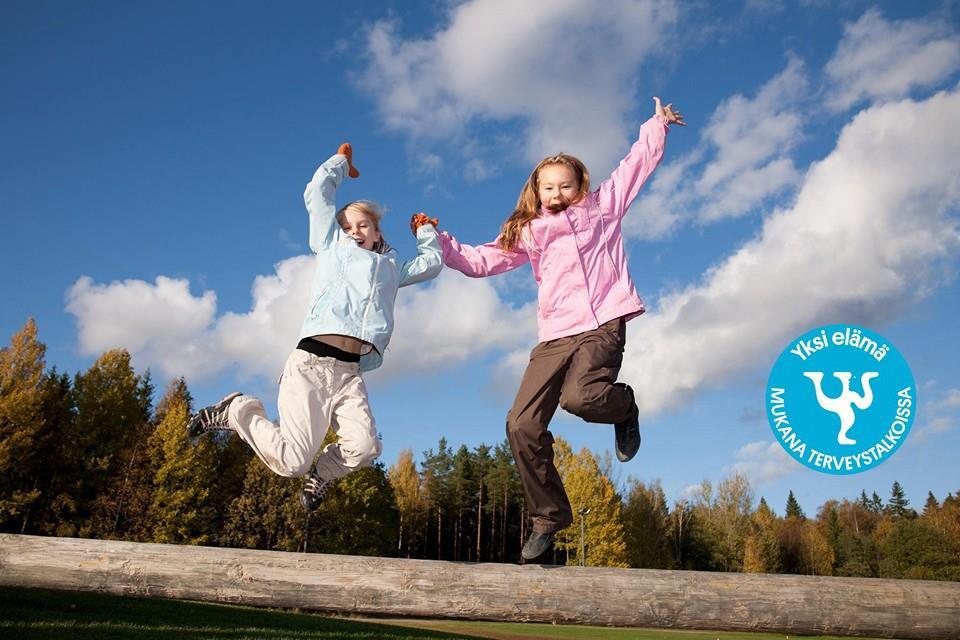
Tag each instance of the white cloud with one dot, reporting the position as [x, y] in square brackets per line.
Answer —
[872, 226]
[762, 462]
[158, 322]
[882, 59]
[742, 160]
[452, 322]
[937, 416]
[500, 60]
[167, 328]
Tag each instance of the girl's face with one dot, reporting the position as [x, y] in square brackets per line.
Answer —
[360, 226]
[557, 187]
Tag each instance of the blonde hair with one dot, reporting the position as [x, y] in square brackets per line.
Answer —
[375, 212]
[528, 204]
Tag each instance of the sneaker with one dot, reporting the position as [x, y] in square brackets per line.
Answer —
[628, 432]
[212, 418]
[314, 490]
[537, 544]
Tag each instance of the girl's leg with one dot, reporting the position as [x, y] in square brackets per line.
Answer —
[288, 447]
[531, 441]
[588, 390]
[357, 444]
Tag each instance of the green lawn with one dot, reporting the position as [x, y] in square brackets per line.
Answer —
[28, 614]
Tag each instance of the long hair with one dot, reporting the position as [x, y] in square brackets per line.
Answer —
[375, 212]
[528, 204]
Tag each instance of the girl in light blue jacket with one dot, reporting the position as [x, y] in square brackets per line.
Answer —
[346, 330]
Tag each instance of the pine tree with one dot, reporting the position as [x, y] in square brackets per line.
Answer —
[437, 470]
[53, 513]
[898, 506]
[462, 497]
[266, 514]
[112, 404]
[931, 506]
[793, 509]
[21, 425]
[647, 527]
[182, 510]
[588, 488]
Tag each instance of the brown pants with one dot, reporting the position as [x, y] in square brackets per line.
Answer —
[576, 372]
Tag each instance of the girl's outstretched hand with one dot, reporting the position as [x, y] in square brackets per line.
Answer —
[346, 150]
[673, 117]
[420, 219]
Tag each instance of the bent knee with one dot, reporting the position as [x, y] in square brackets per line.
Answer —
[362, 453]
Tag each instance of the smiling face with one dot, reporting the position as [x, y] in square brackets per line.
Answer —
[361, 226]
[557, 187]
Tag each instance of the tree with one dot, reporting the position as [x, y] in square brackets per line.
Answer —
[266, 514]
[412, 506]
[21, 425]
[646, 521]
[182, 510]
[437, 467]
[112, 404]
[55, 505]
[725, 519]
[506, 505]
[761, 552]
[588, 488]
[898, 506]
[358, 517]
[793, 509]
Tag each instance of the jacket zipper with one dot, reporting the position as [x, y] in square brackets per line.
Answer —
[363, 322]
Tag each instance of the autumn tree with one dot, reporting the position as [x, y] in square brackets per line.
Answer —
[411, 504]
[182, 510]
[22, 426]
[588, 487]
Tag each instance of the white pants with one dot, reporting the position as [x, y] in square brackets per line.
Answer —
[315, 394]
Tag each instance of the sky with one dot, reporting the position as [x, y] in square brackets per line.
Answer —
[153, 158]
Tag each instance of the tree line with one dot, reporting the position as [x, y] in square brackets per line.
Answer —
[93, 455]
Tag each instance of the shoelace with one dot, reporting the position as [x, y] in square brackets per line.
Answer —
[316, 487]
[211, 420]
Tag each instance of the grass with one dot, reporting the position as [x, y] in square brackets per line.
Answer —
[28, 614]
[31, 614]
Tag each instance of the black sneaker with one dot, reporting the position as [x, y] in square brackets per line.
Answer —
[538, 544]
[628, 432]
[314, 490]
[212, 418]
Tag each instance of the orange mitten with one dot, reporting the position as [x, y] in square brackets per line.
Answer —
[420, 219]
[346, 150]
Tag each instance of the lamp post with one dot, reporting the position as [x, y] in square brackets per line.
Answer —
[583, 512]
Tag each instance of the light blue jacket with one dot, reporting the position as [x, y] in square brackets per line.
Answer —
[354, 289]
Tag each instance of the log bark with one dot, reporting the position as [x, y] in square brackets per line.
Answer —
[789, 604]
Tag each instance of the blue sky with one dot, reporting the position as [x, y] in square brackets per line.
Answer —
[154, 157]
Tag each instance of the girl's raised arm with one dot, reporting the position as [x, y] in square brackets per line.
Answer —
[319, 198]
[618, 191]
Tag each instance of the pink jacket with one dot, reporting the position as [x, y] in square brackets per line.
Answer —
[577, 255]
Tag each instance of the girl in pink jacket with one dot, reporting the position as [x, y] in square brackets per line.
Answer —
[572, 238]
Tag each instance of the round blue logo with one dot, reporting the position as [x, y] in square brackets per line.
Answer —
[841, 399]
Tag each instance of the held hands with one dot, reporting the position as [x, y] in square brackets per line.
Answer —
[420, 219]
[672, 117]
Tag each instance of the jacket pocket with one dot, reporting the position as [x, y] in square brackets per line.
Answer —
[320, 302]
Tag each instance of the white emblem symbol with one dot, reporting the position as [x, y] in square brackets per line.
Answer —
[843, 405]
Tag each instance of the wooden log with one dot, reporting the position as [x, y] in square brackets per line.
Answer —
[582, 595]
